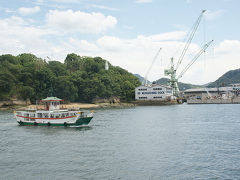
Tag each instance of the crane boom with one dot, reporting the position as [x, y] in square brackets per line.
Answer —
[149, 69]
[190, 39]
[195, 58]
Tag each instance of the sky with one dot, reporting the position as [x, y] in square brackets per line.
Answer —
[127, 33]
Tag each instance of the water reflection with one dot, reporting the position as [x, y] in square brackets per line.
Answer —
[51, 130]
[80, 128]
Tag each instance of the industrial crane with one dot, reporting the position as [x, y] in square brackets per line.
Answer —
[173, 81]
[195, 58]
[195, 26]
[144, 82]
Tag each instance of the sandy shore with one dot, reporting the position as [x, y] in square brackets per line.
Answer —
[77, 106]
[74, 106]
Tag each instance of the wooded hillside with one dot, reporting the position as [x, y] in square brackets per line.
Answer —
[78, 79]
[230, 77]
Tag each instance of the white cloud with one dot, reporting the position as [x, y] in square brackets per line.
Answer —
[137, 54]
[143, 1]
[134, 54]
[14, 21]
[212, 15]
[175, 35]
[70, 21]
[26, 11]
[220, 58]
[82, 46]
[103, 7]
[228, 46]
[67, 1]
[59, 1]
[18, 37]
[7, 10]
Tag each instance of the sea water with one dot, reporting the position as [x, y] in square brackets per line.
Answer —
[147, 142]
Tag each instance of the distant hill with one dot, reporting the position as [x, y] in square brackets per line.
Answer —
[182, 86]
[226, 79]
[141, 78]
[230, 77]
[164, 81]
[206, 85]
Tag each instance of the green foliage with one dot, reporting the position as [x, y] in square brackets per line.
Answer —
[78, 79]
[230, 77]
[26, 58]
[65, 88]
[26, 92]
[7, 84]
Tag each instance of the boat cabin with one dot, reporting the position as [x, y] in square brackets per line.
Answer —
[51, 103]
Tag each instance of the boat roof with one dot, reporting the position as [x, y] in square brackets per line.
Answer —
[52, 99]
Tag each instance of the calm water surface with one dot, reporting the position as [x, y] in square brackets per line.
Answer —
[158, 142]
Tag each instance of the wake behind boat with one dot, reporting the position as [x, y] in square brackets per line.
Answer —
[52, 115]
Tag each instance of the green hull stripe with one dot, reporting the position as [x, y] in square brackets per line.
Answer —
[79, 122]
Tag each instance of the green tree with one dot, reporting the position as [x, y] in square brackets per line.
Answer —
[77, 79]
[65, 88]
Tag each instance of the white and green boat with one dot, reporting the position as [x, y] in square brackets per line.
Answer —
[52, 115]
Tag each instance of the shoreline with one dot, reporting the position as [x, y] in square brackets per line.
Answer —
[74, 106]
[77, 106]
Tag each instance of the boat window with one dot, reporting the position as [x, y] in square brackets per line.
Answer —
[39, 115]
[82, 114]
[63, 115]
[32, 115]
[52, 115]
[45, 115]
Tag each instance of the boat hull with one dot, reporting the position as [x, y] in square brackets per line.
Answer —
[79, 122]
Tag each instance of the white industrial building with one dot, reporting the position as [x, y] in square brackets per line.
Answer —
[153, 92]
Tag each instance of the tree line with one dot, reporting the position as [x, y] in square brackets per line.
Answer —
[78, 79]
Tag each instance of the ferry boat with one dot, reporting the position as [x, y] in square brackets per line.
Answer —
[52, 115]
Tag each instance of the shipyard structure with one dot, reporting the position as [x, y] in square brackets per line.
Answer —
[157, 94]
[220, 95]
